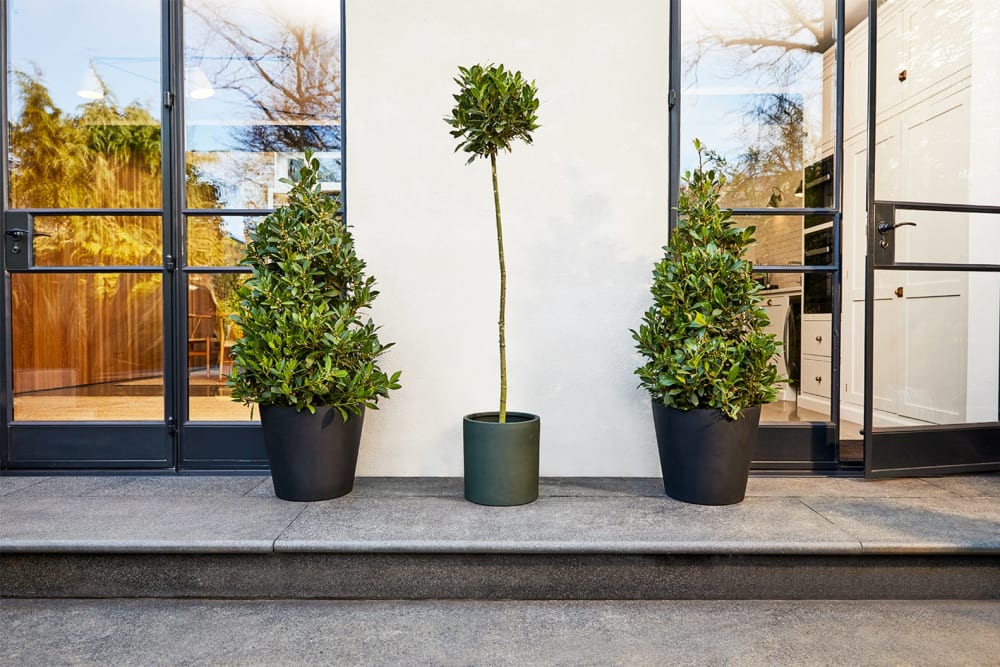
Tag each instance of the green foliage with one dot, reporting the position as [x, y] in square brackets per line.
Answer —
[305, 343]
[704, 337]
[493, 107]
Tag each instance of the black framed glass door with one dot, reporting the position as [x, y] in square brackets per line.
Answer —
[138, 155]
[932, 339]
[761, 85]
[87, 237]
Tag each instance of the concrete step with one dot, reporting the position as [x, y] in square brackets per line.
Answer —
[228, 537]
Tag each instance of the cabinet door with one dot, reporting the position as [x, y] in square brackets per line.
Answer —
[936, 45]
[934, 167]
[777, 311]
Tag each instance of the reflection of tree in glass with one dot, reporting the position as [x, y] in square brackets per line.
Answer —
[107, 326]
[287, 67]
[764, 38]
[769, 167]
[771, 49]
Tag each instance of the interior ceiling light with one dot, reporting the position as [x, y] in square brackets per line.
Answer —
[198, 84]
[90, 87]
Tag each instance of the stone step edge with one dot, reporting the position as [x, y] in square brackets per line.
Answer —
[499, 576]
[693, 547]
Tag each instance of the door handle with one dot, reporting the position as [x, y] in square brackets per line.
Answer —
[884, 227]
[899, 292]
[21, 234]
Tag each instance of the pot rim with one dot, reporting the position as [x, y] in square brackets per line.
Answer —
[522, 417]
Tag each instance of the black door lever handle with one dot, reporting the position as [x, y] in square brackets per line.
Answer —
[884, 227]
[18, 234]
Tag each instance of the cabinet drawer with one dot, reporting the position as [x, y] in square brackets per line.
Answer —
[816, 337]
[816, 377]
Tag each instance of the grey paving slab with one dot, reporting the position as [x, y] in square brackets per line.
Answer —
[137, 524]
[72, 486]
[740, 633]
[969, 486]
[398, 487]
[188, 486]
[453, 487]
[650, 487]
[564, 525]
[10, 485]
[842, 487]
[920, 525]
[388, 487]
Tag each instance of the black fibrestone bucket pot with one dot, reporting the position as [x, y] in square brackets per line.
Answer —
[705, 457]
[501, 460]
[313, 456]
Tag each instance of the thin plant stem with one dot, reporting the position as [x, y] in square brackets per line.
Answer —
[503, 294]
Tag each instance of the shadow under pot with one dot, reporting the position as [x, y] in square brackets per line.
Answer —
[313, 456]
[501, 460]
[704, 455]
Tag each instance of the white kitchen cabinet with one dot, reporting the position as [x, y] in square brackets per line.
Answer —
[815, 366]
[777, 303]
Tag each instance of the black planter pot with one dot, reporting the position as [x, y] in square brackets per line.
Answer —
[501, 460]
[704, 456]
[313, 456]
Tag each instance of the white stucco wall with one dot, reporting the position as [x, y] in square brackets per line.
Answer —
[585, 215]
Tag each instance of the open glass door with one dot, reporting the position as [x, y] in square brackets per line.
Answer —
[932, 295]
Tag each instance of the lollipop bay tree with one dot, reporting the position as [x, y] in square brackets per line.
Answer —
[493, 108]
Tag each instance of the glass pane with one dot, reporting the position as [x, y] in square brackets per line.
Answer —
[937, 349]
[87, 347]
[784, 240]
[84, 104]
[753, 91]
[217, 240]
[938, 131]
[804, 356]
[211, 335]
[950, 238]
[107, 240]
[262, 85]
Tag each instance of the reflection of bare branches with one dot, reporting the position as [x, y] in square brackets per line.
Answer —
[773, 38]
[772, 52]
[288, 71]
[770, 167]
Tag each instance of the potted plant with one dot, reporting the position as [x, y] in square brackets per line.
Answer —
[493, 107]
[308, 356]
[708, 359]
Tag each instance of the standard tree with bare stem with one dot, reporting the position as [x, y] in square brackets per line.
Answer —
[493, 107]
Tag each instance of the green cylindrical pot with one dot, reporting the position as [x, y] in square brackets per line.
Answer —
[501, 460]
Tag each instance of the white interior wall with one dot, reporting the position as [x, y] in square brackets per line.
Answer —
[585, 215]
[984, 230]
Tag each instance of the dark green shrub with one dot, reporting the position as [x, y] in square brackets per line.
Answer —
[704, 337]
[305, 342]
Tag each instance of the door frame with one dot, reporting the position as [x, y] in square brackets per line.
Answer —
[802, 446]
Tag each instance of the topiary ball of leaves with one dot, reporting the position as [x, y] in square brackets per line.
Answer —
[704, 337]
[493, 107]
[305, 342]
